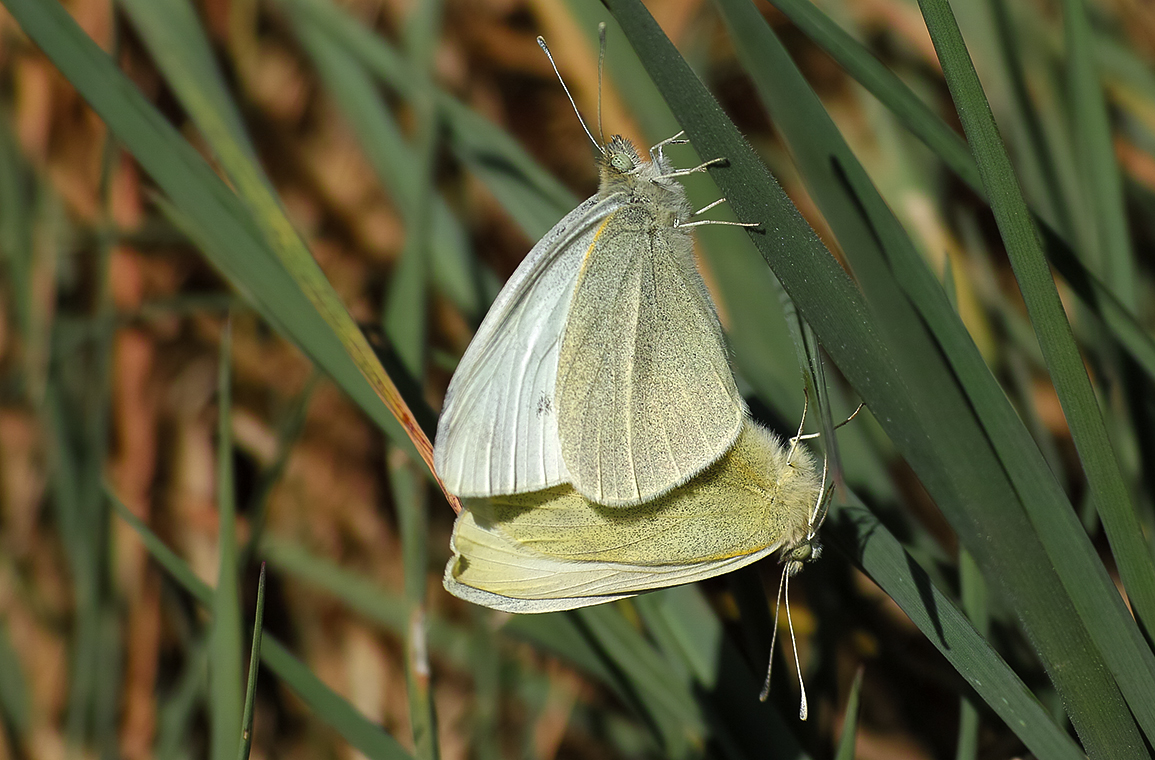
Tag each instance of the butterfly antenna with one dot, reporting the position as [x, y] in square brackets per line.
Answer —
[601, 149]
[803, 708]
[774, 637]
[601, 68]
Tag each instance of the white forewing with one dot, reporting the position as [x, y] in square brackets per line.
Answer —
[497, 433]
[645, 395]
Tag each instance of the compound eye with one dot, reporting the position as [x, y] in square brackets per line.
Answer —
[801, 553]
[621, 162]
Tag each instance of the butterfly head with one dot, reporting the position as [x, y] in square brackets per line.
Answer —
[796, 557]
[619, 162]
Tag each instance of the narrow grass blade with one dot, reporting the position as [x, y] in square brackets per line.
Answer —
[254, 669]
[329, 706]
[928, 421]
[165, 557]
[16, 229]
[399, 170]
[349, 83]
[404, 318]
[974, 602]
[385, 608]
[845, 750]
[1009, 63]
[1104, 478]
[844, 192]
[177, 713]
[664, 696]
[485, 733]
[480, 144]
[1100, 173]
[74, 522]
[15, 708]
[953, 150]
[196, 190]
[855, 532]
[412, 510]
[289, 432]
[691, 636]
[225, 667]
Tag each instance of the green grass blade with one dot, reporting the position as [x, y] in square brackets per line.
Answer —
[1068, 548]
[694, 643]
[15, 708]
[845, 750]
[15, 228]
[953, 150]
[1009, 63]
[176, 713]
[480, 144]
[885, 85]
[412, 511]
[76, 532]
[254, 669]
[1100, 173]
[665, 696]
[406, 301]
[930, 423]
[485, 734]
[172, 31]
[347, 81]
[159, 550]
[328, 705]
[194, 188]
[290, 429]
[1104, 478]
[974, 603]
[387, 609]
[854, 531]
[840, 186]
[226, 670]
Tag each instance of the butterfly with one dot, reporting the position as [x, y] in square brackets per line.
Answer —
[601, 363]
[556, 550]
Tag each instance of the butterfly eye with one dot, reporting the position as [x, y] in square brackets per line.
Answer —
[621, 162]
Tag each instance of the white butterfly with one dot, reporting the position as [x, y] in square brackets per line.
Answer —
[602, 362]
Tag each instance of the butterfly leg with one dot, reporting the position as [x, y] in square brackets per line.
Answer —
[704, 209]
[678, 139]
[799, 437]
[696, 170]
[801, 423]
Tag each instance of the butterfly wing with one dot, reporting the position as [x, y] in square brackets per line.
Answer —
[503, 575]
[556, 550]
[645, 394]
[497, 433]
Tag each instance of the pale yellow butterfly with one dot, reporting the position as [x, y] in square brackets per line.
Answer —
[556, 550]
